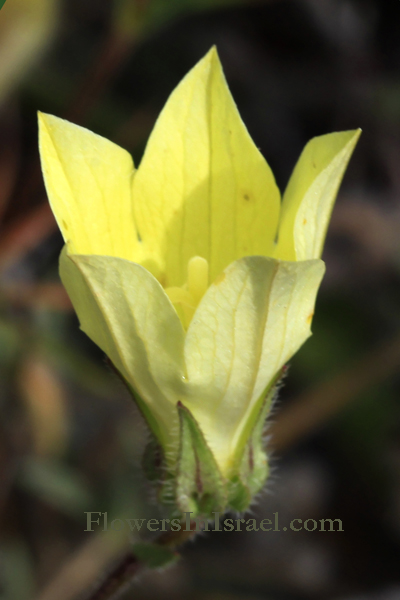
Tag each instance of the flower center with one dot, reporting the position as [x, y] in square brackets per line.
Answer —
[186, 298]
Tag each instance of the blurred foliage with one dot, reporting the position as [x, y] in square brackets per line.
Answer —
[26, 29]
[71, 441]
[142, 16]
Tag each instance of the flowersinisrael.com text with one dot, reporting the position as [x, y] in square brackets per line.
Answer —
[224, 524]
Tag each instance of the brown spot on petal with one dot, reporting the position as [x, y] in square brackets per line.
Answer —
[309, 318]
[304, 221]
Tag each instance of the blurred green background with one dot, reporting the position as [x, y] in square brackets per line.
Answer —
[71, 439]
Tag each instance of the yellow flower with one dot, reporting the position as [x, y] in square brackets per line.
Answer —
[191, 275]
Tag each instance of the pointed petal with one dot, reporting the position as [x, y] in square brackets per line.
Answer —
[310, 195]
[88, 181]
[125, 311]
[247, 326]
[203, 188]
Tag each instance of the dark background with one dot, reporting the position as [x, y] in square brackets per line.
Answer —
[70, 437]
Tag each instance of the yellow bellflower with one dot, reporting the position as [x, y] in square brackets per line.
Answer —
[192, 276]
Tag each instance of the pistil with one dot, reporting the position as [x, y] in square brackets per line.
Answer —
[186, 298]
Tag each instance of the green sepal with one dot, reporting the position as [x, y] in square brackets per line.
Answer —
[254, 466]
[200, 487]
[239, 497]
[253, 469]
[153, 460]
[154, 555]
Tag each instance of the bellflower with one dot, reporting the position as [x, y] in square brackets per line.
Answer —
[193, 277]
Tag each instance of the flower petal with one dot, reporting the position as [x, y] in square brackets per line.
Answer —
[88, 181]
[310, 194]
[248, 325]
[125, 311]
[203, 188]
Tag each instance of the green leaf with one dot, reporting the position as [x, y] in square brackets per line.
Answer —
[154, 555]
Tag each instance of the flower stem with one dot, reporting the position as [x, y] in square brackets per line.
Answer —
[121, 577]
